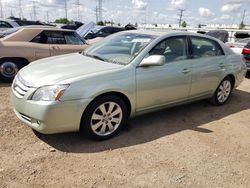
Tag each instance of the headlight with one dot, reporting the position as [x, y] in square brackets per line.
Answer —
[49, 93]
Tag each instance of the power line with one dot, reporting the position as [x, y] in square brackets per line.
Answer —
[181, 16]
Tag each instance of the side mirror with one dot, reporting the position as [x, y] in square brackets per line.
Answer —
[153, 60]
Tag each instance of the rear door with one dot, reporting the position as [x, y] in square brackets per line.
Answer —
[64, 42]
[208, 65]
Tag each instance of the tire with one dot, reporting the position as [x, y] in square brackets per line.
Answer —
[9, 68]
[98, 123]
[223, 92]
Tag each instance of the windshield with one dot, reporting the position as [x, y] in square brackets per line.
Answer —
[9, 31]
[121, 48]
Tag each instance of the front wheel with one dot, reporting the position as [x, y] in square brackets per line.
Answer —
[223, 92]
[104, 118]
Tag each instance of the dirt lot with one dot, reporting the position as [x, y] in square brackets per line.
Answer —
[196, 145]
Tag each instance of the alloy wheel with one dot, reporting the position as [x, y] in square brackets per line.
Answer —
[106, 118]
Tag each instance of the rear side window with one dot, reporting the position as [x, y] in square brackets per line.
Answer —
[52, 37]
[202, 47]
[56, 38]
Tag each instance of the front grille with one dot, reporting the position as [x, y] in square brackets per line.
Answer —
[19, 87]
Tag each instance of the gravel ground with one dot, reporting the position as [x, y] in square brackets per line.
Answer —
[196, 145]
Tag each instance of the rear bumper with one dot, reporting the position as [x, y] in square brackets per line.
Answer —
[50, 117]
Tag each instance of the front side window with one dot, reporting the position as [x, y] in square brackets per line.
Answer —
[119, 48]
[55, 38]
[202, 47]
[174, 49]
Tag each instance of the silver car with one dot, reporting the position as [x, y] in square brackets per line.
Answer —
[124, 75]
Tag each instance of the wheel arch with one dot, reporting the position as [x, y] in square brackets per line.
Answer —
[232, 77]
[24, 60]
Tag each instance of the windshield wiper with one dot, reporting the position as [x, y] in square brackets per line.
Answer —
[94, 56]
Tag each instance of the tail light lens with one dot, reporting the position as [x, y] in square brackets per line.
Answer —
[246, 51]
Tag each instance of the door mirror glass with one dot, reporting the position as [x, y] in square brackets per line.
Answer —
[153, 60]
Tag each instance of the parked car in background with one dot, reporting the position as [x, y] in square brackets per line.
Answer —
[238, 46]
[29, 44]
[103, 31]
[246, 54]
[124, 75]
[219, 34]
[9, 23]
[72, 26]
[13, 30]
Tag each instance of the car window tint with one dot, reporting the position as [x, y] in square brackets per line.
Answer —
[106, 30]
[73, 39]
[5, 25]
[55, 38]
[202, 47]
[174, 49]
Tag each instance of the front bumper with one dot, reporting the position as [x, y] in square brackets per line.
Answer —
[50, 117]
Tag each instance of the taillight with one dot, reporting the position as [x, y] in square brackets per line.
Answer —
[246, 51]
[231, 46]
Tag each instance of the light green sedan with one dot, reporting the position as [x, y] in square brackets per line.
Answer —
[124, 75]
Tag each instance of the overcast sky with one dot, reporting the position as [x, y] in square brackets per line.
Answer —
[131, 11]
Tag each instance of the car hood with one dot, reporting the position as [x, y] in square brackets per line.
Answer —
[85, 29]
[63, 69]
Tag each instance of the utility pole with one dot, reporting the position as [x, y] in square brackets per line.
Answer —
[47, 16]
[99, 10]
[1, 9]
[181, 16]
[243, 17]
[66, 9]
[34, 10]
[78, 5]
[20, 9]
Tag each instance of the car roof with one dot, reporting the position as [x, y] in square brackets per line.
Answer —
[6, 20]
[157, 33]
[28, 33]
[170, 33]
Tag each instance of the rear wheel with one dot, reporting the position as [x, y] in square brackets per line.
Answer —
[9, 68]
[104, 118]
[223, 92]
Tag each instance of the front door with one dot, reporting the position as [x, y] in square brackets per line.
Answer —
[161, 85]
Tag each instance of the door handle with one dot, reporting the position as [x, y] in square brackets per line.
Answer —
[185, 71]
